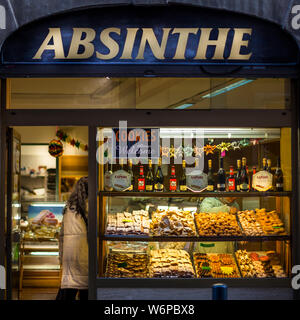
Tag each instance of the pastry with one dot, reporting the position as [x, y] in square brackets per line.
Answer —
[249, 223]
[170, 263]
[217, 224]
[173, 223]
[127, 223]
[126, 265]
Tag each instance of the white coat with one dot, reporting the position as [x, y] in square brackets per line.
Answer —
[73, 251]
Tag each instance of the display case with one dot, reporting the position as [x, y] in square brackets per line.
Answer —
[217, 223]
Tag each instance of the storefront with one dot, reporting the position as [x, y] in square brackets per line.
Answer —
[205, 89]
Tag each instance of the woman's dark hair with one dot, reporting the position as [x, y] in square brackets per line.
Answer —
[78, 197]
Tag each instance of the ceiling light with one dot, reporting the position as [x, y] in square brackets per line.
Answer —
[227, 88]
[184, 106]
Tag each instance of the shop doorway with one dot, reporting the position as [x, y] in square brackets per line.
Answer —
[44, 164]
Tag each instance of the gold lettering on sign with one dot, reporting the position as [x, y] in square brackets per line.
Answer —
[182, 40]
[85, 42]
[110, 43]
[129, 43]
[219, 43]
[57, 46]
[238, 42]
[157, 50]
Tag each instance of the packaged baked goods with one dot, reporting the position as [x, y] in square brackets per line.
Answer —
[269, 221]
[128, 223]
[249, 223]
[170, 263]
[217, 224]
[173, 223]
[127, 265]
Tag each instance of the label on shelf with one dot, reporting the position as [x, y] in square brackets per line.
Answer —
[120, 180]
[262, 181]
[196, 180]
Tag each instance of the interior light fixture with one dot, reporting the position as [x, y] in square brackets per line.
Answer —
[227, 88]
[44, 253]
[184, 106]
[48, 205]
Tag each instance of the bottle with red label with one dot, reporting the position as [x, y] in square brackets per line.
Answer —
[231, 183]
[173, 180]
[253, 173]
[141, 180]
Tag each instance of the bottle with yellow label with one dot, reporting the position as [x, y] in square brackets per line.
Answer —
[132, 181]
[210, 178]
[159, 178]
[182, 181]
[149, 178]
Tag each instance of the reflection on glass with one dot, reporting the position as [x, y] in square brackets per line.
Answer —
[150, 93]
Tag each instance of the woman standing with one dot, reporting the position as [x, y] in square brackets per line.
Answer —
[73, 245]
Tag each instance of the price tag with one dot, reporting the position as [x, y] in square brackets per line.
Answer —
[206, 268]
[207, 245]
[122, 265]
[227, 270]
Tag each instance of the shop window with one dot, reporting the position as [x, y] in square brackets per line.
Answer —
[216, 205]
[149, 93]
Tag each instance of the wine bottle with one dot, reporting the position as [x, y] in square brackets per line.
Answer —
[221, 177]
[264, 161]
[253, 173]
[238, 175]
[269, 165]
[149, 178]
[278, 177]
[210, 178]
[132, 180]
[121, 164]
[244, 178]
[173, 180]
[108, 177]
[231, 183]
[182, 180]
[159, 178]
[141, 180]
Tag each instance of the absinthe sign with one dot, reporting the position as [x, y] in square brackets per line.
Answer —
[82, 43]
[164, 35]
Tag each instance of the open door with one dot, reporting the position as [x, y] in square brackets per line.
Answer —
[13, 233]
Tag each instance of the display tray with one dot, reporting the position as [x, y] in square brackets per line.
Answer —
[197, 235]
[194, 194]
[260, 271]
[212, 269]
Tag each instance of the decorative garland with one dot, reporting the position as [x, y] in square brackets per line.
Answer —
[63, 136]
[55, 148]
[209, 148]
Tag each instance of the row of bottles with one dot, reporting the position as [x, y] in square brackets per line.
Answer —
[148, 181]
[241, 181]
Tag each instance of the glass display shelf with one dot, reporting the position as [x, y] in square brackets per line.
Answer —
[194, 194]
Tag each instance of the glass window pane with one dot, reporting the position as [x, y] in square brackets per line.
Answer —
[150, 93]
